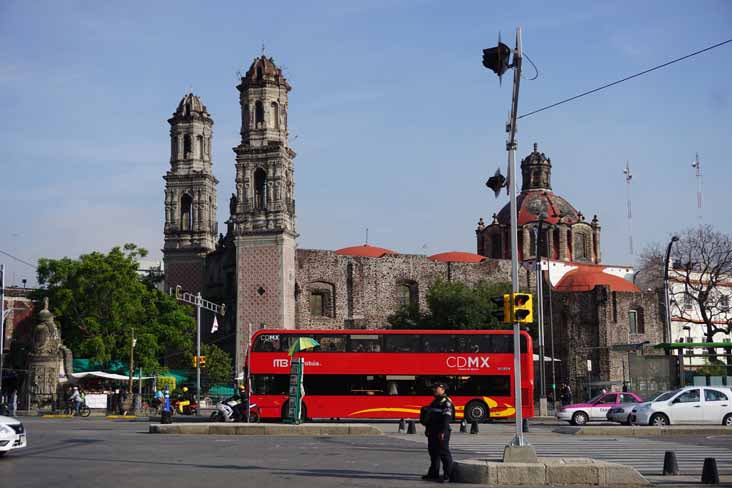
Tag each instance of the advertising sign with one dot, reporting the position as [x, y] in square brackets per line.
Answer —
[296, 390]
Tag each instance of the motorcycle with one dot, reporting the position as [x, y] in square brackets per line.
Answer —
[233, 410]
[184, 407]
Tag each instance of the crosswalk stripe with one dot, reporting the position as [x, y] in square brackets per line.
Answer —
[645, 455]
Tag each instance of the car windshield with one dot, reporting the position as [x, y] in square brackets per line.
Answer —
[665, 396]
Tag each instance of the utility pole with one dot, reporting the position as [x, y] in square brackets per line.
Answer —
[199, 303]
[496, 59]
[2, 324]
[132, 362]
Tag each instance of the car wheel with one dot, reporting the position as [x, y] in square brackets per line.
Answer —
[580, 418]
[476, 411]
[658, 420]
[727, 420]
[3, 453]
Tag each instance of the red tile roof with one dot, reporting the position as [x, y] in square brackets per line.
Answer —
[457, 257]
[586, 278]
[365, 251]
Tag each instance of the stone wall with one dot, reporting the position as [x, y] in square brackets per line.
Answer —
[586, 326]
[362, 292]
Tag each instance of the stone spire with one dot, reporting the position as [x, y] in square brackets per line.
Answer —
[536, 171]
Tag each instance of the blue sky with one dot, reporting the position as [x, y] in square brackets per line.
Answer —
[395, 122]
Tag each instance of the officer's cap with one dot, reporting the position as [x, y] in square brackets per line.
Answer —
[440, 385]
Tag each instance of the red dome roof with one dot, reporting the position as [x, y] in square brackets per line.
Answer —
[365, 251]
[534, 202]
[586, 278]
[457, 257]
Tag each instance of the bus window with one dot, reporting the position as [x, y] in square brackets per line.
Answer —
[270, 384]
[270, 343]
[438, 343]
[364, 343]
[334, 343]
[401, 343]
[481, 385]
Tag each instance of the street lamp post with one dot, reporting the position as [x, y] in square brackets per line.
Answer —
[666, 290]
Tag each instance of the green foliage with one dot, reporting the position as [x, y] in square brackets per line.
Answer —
[454, 305]
[712, 369]
[99, 298]
[218, 364]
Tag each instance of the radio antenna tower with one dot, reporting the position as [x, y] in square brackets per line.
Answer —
[697, 164]
[628, 177]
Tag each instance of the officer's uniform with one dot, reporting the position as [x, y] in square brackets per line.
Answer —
[441, 412]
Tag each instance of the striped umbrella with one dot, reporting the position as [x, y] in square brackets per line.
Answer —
[302, 343]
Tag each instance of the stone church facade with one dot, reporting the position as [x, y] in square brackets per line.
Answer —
[256, 269]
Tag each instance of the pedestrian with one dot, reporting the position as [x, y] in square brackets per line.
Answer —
[75, 398]
[13, 403]
[625, 387]
[570, 399]
[439, 415]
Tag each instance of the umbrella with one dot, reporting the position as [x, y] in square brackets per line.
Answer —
[302, 343]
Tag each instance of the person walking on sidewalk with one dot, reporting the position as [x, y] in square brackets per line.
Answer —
[439, 415]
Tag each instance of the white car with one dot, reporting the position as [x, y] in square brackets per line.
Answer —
[689, 405]
[12, 435]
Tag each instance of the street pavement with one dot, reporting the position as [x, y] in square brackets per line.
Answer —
[117, 454]
[644, 454]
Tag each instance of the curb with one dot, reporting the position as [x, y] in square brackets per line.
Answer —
[548, 471]
[266, 429]
[121, 417]
[56, 416]
[643, 431]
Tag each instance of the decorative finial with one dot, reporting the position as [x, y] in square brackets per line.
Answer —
[581, 216]
[45, 304]
[495, 219]
[536, 147]
[481, 224]
[262, 49]
[595, 220]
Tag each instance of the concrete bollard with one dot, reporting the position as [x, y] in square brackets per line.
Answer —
[710, 473]
[525, 425]
[670, 465]
[474, 427]
[402, 426]
[463, 426]
[411, 428]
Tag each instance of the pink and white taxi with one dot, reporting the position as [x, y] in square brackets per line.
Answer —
[596, 409]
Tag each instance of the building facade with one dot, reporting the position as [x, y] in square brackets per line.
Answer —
[256, 269]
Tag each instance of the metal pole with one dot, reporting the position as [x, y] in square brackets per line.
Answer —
[540, 320]
[665, 289]
[2, 325]
[248, 377]
[519, 439]
[132, 362]
[198, 351]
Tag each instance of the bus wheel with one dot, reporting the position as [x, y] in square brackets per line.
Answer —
[476, 411]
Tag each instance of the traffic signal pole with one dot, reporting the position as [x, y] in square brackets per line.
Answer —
[519, 439]
[199, 302]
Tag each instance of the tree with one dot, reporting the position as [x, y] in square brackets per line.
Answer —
[454, 305]
[701, 270]
[99, 298]
[218, 364]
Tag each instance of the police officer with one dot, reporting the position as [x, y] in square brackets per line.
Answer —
[440, 414]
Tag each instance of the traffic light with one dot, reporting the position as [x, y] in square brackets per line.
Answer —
[195, 361]
[201, 361]
[496, 58]
[522, 308]
[504, 304]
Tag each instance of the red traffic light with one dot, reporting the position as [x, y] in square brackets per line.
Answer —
[520, 300]
[496, 58]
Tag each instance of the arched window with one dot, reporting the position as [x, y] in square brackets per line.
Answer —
[581, 247]
[260, 189]
[186, 215]
[407, 294]
[259, 72]
[199, 148]
[322, 299]
[275, 115]
[186, 146]
[636, 320]
[245, 116]
[258, 114]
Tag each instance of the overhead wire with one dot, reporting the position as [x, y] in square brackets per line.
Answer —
[595, 90]
[18, 259]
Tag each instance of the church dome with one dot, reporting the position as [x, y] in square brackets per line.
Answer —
[531, 204]
[586, 278]
[262, 71]
[457, 257]
[190, 104]
[365, 251]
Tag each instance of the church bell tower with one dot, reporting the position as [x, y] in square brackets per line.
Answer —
[190, 196]
[263, 208]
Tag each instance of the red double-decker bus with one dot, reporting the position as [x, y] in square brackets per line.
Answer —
[388, 374]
